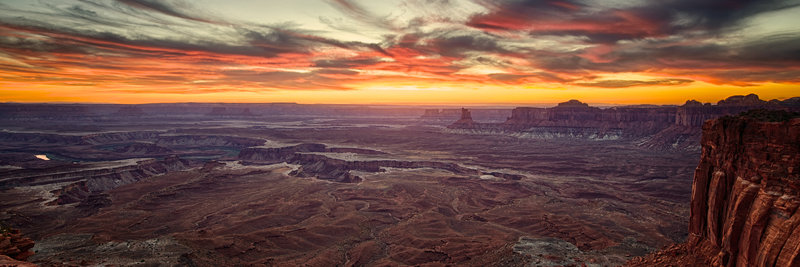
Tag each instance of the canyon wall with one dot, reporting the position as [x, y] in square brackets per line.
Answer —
[745, 195]
[746, 192]
[635, 120]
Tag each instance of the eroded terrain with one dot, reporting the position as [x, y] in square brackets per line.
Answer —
[356, 191]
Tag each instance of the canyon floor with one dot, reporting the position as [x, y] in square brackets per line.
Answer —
[113, 192]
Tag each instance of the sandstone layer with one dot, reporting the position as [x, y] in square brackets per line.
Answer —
[745, 195]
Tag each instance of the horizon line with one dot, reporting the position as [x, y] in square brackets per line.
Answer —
[508, 104]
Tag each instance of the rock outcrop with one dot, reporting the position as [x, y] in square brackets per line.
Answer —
[656, 127]
[694, 113]
[15, 246]
[465, 121]
[745, 194]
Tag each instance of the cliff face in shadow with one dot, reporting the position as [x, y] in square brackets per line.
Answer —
[745, 195]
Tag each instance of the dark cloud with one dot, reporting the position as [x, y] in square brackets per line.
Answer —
[783, 48]
[347, 63]
[538, 76]
[632, 83]
[607, 24]
[359, 13]
[283, 79]
[260, 42]
[505, 77]
[164, 8]
[458, 45]
[713, 15]
[336, 72]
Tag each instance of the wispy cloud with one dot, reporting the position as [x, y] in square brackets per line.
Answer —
[630, 83]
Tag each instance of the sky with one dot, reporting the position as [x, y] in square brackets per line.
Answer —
[398, 52]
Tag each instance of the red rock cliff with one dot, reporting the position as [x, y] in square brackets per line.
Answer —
[745, 193]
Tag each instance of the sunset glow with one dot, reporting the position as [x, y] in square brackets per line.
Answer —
[397, 52]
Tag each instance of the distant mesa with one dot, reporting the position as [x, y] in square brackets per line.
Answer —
[658, 127]
[19, 111]
[448, 114]
[791, 102]
[739, 100]
[572, 104]
[694, 103]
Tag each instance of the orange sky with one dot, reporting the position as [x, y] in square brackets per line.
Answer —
[396, 52]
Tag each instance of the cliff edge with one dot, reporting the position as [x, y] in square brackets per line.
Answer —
[745, 195]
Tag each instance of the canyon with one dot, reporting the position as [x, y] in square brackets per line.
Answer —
[287, 184]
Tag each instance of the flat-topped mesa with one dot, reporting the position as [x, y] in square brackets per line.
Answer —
[742, 100]
[572, 103]
[575, 114]
[746, 191]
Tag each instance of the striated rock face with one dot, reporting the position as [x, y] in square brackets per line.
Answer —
[634, 120]
[745, 194]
